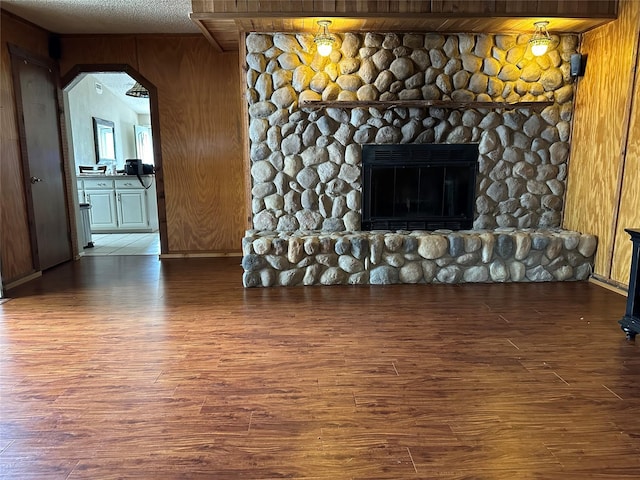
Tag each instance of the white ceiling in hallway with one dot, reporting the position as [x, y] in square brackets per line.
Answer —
[118, 84]
[106, 16]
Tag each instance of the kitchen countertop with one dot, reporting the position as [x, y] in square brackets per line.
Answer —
[117, 175]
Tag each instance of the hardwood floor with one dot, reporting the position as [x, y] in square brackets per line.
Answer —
[128, 367]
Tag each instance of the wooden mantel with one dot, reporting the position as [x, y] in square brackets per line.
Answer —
[315, 105]
[221, 21]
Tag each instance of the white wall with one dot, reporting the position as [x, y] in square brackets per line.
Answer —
[84, 102]
[144, 119]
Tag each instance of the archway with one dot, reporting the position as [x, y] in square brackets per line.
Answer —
[110, 79]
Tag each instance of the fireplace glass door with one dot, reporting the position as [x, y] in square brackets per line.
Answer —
[419, 187]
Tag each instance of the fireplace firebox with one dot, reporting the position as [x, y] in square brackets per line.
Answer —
[418, 186]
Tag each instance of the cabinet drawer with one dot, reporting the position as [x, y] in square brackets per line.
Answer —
[126, 183]
[95, 184]
[79, 184]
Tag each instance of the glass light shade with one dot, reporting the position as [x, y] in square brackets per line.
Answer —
[539, 48]
[324, 47]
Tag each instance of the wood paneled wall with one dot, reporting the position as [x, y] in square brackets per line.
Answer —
[603, 179]
[201, 133]
[202, 148]
[17, 261]
[629, 215]
[98, 49]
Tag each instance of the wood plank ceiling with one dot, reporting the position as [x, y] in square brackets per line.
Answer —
[222, 21]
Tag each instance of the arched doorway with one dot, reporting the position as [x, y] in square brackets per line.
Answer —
[125, 214]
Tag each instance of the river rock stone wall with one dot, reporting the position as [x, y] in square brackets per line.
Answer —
[442, 256]
[306, 164]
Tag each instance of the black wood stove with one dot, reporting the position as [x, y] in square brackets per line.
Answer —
[630, 323]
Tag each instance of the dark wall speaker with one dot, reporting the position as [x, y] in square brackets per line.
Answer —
[578, 65]
[55, 47]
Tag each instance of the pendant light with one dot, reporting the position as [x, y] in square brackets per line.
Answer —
[324, 40]
[138, 91]
[541, 40]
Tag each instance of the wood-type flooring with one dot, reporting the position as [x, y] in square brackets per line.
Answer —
[131, 367]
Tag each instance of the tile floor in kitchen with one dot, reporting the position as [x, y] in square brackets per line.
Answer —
[124, 244]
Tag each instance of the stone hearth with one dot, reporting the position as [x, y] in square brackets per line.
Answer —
[442, 256]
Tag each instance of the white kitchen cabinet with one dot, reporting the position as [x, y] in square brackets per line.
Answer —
[121, 204]
[132, 209]
[103, 212]
[100, 194]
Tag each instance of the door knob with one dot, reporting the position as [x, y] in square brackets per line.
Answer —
[35, 180]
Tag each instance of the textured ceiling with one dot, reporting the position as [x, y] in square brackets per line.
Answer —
[106, 16]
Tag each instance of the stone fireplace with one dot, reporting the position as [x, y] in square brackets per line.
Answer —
[307, 163]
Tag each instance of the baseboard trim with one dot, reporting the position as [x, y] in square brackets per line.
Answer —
[611, 285]
[22, 280]
[166, 256]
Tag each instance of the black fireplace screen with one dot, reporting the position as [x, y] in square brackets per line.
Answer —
[418, 187]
